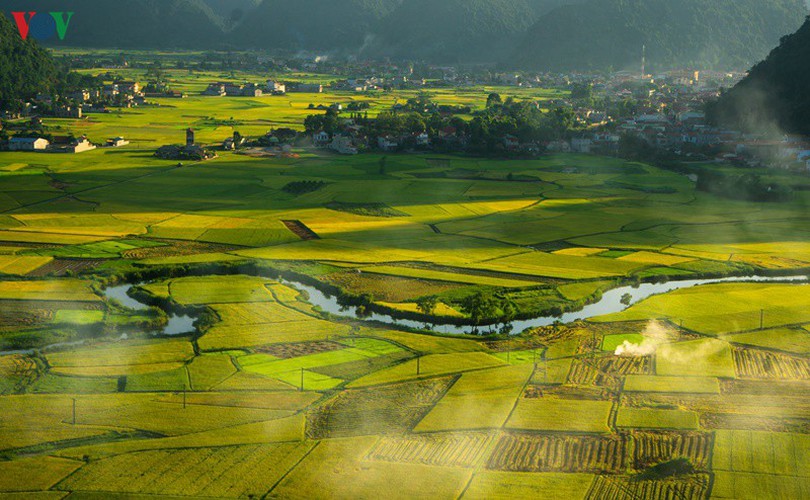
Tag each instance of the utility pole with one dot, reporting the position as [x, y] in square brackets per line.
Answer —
[74, 411]
[302, 380]
[762, 319]
[545, 368]
[418, 366]
[184, 396]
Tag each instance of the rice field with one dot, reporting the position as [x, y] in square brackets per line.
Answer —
[272, 398]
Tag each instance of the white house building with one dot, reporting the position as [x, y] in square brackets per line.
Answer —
[28, 144]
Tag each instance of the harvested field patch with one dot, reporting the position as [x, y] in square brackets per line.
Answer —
[288, 351]
[301, 230]
[531, 452]
[382, 410]
[758, 364]
[620, 487]
[366, 209]
[765, 387]
[451, 449]
[33, 312]
[176, 248]
[652, 448]
[606, 370]
[60, 267]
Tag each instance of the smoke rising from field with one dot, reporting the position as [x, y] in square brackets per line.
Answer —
[654, 334]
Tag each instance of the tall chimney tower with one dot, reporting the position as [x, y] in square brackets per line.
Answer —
[189, 137]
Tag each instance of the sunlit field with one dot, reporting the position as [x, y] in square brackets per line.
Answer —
[697, 393]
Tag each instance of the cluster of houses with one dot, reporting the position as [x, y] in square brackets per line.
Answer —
[60, 144]
[352, 138]
[220, 89]
[76, 104]
[272, 87]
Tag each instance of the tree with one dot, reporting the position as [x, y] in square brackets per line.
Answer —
[427, 305]
[509, 312]
[494, 99]
[478, 307]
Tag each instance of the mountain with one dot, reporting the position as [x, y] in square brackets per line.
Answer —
[25, 68]
[601, 34]
[457, 30]
[775, 96]
[232, 12]
[318, 25]
[133, 23]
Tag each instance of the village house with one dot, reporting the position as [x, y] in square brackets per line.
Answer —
[581, 145]
[67, 112]
[233, 89]
[321, 138]
[215, 89]
[306, 88]
[110, 90]
[128, 87]
[423, 139]
[343, 145]
[28, 144]
[251, 90]
[117, 142]
[276, 88]
[510, 142]
[387, 143]
[79, 96]
[79, 146]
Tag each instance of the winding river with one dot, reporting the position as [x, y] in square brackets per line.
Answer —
[177, 325]
[611, 303]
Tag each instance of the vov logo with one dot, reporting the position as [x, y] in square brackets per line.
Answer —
[43, 25]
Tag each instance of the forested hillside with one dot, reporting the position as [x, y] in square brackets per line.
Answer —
[25, 68]
[518, 34]
[775, 97]
[458, 30]
[133, 23]
[319, 25]
[604, 34]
